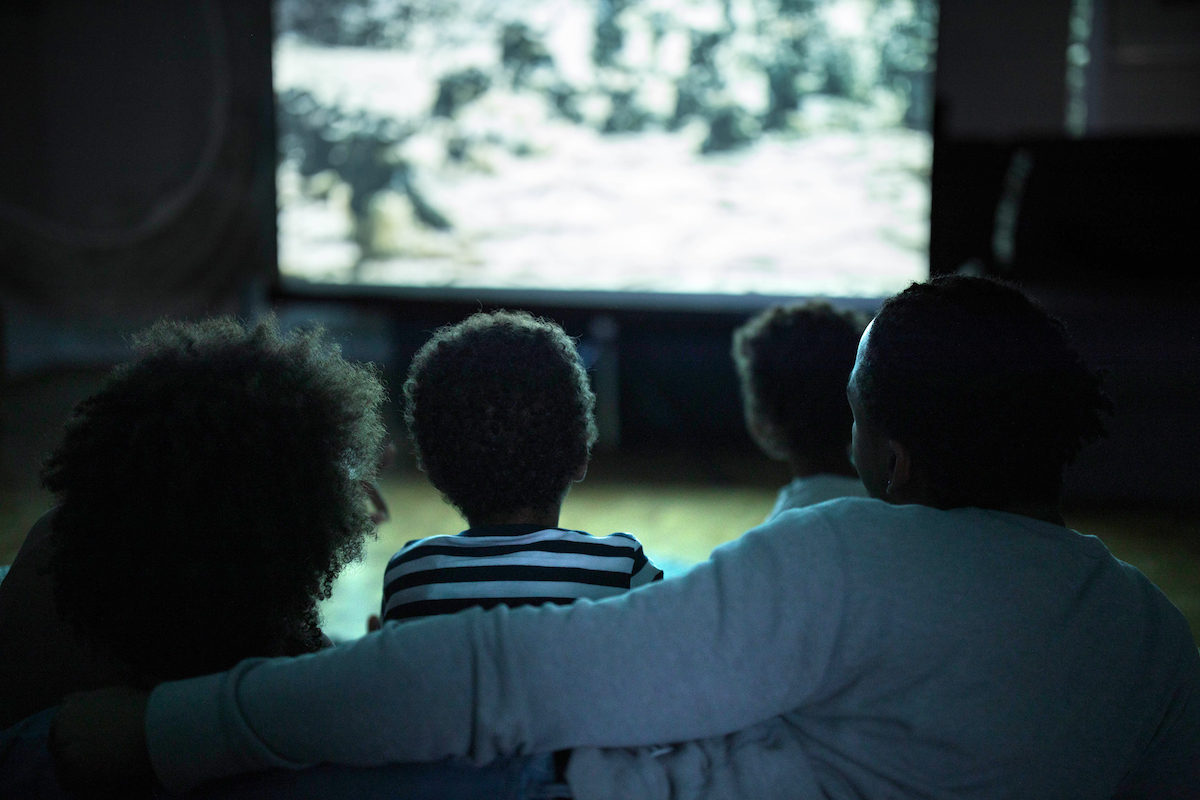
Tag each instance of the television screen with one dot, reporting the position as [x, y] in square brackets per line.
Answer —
[670, 147]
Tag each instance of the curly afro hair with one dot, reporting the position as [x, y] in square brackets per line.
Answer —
[793, 363]
[209, 494]
[500, 414]
[984, 387]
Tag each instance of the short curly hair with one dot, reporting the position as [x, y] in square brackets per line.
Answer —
[984, 387]
[792, 363]
[500, 413]
[209, 494]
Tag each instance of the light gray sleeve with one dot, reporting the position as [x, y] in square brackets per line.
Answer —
[1171, 766]
[738, 639]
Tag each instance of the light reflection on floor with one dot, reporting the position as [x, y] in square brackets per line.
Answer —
[678, 526]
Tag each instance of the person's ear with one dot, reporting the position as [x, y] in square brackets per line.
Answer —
[901, 472]
[580, 472]
[764, 435]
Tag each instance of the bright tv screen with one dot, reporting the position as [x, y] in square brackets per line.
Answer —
[694, 147]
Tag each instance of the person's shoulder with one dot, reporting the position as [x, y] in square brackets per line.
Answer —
[830, 519]
[834, 511]
[439, 539]
[618, 539]
[415, 547]
[861, 522]
[835, 486]
[35, 726]
[35, 548]
[823, 486]
[1160, 609]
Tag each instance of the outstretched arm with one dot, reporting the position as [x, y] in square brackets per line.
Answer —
[740, 638]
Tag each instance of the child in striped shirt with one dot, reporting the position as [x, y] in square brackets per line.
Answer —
[500, 415]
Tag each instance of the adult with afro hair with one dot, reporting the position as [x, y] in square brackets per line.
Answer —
[500, 415]
[946, 638]
[792, 363]
[207, 496]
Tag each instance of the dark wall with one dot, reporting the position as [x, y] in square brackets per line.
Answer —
[139, 144]
[137, 180]
[1145, 68]
[1149, 346]
[1018, 193]
[1099, 213]
[1097, 223]
[1000, 67]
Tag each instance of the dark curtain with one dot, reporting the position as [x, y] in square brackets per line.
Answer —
[137, 155]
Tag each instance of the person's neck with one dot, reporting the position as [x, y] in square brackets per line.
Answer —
[837, 462]
[547, 518]
[1041, 511]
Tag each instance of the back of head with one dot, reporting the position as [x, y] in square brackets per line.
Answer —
[500, 413]
[793, 362]
[983, 387]
[209, 494]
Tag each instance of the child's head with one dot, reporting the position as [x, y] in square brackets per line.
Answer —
[793, 363]
[500, 414]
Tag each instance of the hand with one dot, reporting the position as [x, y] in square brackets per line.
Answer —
[373, 623]
[98, 744]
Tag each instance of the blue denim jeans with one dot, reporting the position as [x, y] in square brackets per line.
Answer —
[26, 772]
[519, 778]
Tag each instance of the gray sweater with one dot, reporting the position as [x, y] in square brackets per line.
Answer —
[813, 489]
[851, 649]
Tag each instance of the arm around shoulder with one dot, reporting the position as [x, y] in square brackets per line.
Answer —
[482, 684]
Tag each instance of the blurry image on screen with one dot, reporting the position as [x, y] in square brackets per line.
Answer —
[776, 147]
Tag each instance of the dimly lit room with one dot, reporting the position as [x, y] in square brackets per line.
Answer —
[692, 210]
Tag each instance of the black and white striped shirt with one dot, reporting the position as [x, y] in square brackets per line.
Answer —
[513, 565]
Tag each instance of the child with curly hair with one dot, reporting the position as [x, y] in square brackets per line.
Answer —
[793, 363]
[500, 415]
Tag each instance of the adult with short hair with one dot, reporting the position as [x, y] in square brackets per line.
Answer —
[948, 638]
[792, 363]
